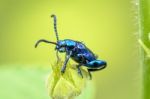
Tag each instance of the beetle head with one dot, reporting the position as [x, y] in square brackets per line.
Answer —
[61, 46]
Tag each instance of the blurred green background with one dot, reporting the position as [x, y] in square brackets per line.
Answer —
[109, 28]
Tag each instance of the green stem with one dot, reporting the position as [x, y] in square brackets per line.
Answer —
[145, 30]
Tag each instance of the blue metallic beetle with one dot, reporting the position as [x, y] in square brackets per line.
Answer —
[77, 51]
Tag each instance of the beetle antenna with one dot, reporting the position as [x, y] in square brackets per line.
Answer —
[55, 26]
[56, 33]
[42, 40]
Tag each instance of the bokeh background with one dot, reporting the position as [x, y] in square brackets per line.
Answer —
[109, 28]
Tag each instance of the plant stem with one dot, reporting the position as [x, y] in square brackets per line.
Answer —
[145, 32]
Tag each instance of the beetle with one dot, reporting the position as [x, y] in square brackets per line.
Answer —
[77, 51]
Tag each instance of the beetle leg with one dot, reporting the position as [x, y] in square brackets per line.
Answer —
[66, 61]
[79, 70]
[90, 74]
[93, 70]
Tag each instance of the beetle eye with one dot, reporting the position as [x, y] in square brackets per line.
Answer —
[62, 49]
[56, 47]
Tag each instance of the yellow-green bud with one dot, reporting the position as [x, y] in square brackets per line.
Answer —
[67, 85]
